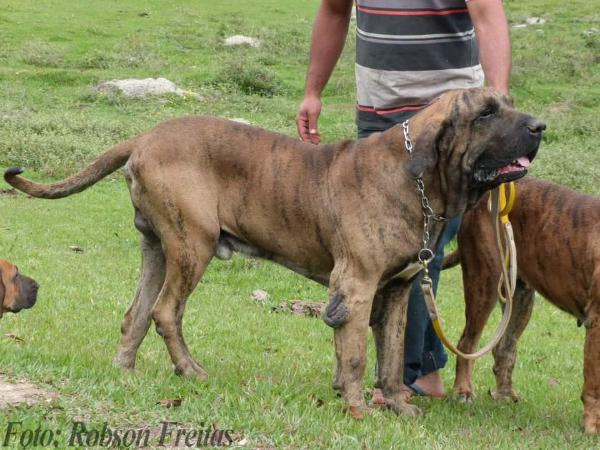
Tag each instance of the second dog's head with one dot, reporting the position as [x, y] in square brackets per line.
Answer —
[17, 291]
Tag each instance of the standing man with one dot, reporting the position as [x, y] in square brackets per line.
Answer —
[408, 52]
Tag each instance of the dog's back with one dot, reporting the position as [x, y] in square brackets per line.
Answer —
[557, 234]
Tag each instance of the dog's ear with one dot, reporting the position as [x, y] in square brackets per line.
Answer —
[8, 292]
[425, 152]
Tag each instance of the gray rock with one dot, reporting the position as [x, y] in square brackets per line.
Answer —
[260, 296]
[133, 87]
[238, 39]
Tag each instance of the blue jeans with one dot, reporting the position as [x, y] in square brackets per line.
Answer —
[423, 351]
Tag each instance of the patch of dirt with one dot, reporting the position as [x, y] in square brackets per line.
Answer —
[22, 392]
[561, 107]
[301, 308]
[8, 192]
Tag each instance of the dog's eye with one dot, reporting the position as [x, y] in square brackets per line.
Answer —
[487, 113]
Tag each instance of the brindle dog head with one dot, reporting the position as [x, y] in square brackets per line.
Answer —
[17, 291]
[476, 140]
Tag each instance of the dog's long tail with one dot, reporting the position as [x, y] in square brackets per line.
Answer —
[106, 164]
[451, 260]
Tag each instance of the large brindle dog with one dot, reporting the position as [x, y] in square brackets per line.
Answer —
[557, 235]
[17, 291]
[346, 215]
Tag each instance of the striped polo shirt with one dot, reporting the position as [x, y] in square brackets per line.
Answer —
[408, 52]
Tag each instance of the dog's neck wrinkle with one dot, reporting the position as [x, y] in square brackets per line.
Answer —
[434, 190]
[398, 155]
[394, 141]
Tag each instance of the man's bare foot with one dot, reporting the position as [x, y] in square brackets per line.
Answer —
[379, 400]
[431, 384]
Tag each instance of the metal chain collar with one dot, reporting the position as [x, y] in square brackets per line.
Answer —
[426, 255]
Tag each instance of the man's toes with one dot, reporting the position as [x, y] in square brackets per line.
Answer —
[378, 399]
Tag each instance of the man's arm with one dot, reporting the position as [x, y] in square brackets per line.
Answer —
[491, 28]
[328, 38]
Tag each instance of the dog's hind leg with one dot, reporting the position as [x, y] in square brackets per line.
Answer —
[139, 315]
[187, 256]
[505, 353]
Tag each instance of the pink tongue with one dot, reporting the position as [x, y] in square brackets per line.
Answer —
[521, 163]
[524, 161]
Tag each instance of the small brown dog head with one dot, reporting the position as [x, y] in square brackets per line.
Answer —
[17, 291]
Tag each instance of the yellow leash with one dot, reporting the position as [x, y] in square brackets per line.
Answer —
[506, 201]
[500, 205]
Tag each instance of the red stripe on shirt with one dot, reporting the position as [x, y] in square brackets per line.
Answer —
[426, 12]
[389, 111]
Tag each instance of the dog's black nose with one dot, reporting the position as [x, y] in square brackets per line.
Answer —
[535, 126]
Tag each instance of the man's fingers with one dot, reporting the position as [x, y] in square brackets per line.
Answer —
[313, 129]
[302, 126]
[307, 120]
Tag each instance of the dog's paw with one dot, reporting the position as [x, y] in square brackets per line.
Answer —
[356, 411]
[591, 424]
[505, 395]
[465, 397]
[401, 407]
[124, 362]
[191, 370]
[591, 414]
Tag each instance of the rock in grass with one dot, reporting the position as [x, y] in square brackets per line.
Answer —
[133, 87]
[535, 21]
[260, 296]
[238, 39]
[530, 21]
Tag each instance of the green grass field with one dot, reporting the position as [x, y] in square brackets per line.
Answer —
[270, 374]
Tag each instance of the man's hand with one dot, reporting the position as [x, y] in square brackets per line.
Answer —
[307, 119]
[327, 41]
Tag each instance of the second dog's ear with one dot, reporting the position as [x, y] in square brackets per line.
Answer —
[2, 291]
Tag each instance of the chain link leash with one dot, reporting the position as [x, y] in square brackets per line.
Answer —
[426, 254]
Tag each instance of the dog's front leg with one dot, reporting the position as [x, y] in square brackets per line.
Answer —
[351, 299]
[388, 321]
